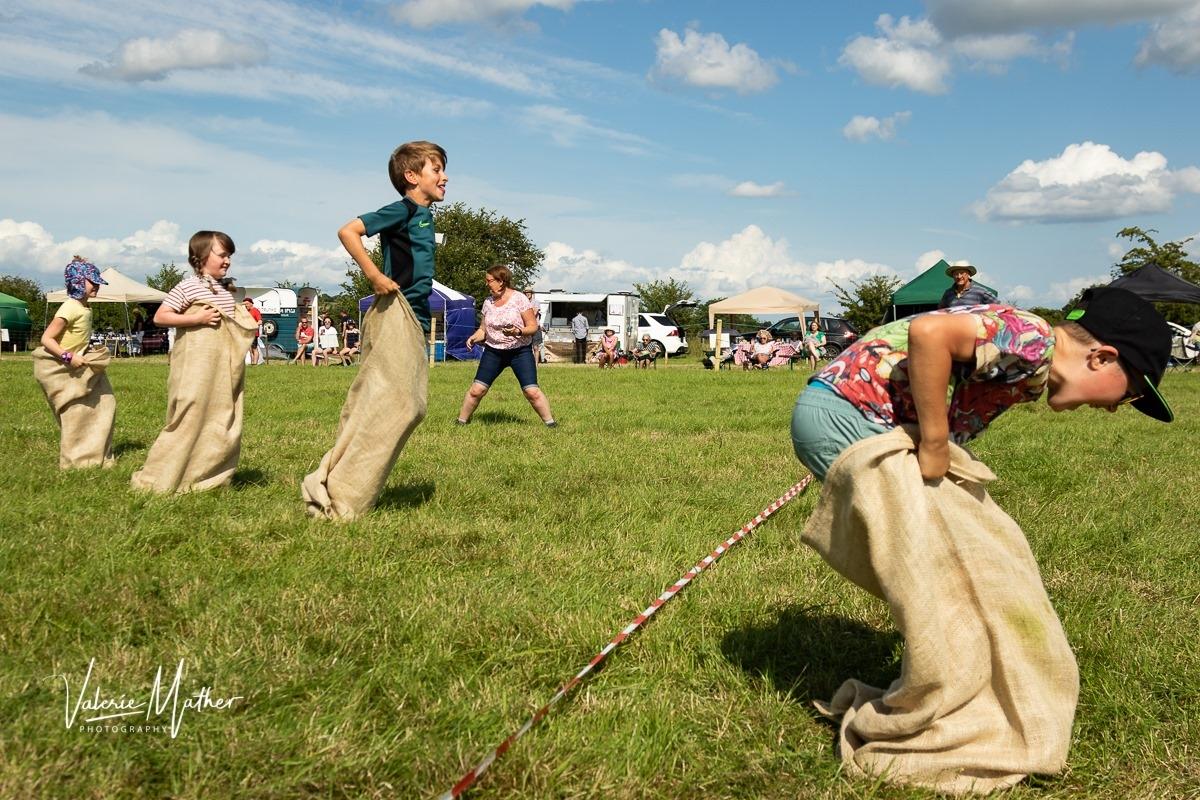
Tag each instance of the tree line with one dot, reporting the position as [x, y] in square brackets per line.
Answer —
[476, 239]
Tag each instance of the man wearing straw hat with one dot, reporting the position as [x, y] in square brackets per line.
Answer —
[964, 292]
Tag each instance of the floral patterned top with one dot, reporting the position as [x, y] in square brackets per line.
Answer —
[1013, 349]
[510, 313]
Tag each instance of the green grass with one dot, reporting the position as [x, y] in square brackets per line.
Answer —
[385, 657]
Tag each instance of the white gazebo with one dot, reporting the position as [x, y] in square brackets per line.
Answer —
[763, 300]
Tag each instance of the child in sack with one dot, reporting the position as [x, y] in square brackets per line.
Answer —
[72, 374]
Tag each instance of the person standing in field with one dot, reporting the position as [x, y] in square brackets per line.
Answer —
[579, 330]
[387, 400]
[988, 682]
[506, 331]
[199, 447]
[72, 374]
[964, 292]
[256, 349]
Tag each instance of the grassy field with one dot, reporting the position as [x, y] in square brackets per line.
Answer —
[385, 657]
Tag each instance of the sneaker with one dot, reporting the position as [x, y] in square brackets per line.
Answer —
[462, 422]
[551, 424]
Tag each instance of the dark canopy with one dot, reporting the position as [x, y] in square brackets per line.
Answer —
[1158, 286]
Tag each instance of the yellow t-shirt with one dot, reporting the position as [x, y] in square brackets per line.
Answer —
[79, 325]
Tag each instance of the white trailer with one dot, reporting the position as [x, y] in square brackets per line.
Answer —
[618, 311]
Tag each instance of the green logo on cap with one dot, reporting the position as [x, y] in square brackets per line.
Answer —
[1076, 314]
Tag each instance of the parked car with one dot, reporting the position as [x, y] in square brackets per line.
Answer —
[154, 341]
[663, 332]
[838, 332]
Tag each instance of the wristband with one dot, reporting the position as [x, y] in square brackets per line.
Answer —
[67, 356]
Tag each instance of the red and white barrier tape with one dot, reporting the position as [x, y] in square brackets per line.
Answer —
[466, 780]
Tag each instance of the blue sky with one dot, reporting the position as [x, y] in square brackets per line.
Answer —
[727, 145]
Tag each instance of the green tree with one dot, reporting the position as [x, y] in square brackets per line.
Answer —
[31, 292]
[287, 285]
[476, 240]
[167, 277]
[866, 302]
[1170, 256]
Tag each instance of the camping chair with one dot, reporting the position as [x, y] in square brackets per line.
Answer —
[1185, 350]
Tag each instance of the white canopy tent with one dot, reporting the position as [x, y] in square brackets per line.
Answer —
[763, 300]
[119, 289]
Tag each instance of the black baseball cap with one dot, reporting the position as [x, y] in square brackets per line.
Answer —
[1131, 324]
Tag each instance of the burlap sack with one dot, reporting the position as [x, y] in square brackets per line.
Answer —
[988, 683]
[198, 448]
[385, 404]
[83, 404]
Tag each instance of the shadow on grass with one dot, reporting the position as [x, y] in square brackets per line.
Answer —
[249, 477]
[497, 418]
[808, 654]
[406, 495]
[120, 448]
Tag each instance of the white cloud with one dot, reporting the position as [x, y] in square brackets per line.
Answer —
[962, 17]
[569, 129]
[1174, 43]
[901, 57]
[752, 189]
[427, 13]
[151, 59]
[860, 128]
[928, 259]
[1087, 182]
[1062, 291]
[564, 267]
[1018, 295]
[751, 258]
[708, 61]
[30, 250]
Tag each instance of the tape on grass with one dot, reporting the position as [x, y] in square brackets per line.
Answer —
[473, 775]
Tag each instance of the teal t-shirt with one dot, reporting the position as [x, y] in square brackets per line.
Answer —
[405, 232]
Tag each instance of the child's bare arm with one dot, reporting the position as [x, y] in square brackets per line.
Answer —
[350, 236]
[934, 342]
[51, 336]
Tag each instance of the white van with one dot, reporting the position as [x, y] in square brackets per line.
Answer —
[618, 311]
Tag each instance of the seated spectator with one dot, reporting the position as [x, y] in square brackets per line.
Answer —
[304, 339]
[351, 341]
[609, 347]
[327, 342]
[762, 349]
[644, 352]
[814, 340]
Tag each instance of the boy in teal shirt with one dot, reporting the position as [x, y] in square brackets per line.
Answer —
[387, 400]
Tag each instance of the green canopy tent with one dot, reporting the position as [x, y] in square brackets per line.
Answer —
[14, 321]
[924, 292]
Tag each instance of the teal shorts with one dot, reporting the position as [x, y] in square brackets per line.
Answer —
[823, 425]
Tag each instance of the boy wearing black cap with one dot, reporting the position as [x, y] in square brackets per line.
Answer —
[988, 684]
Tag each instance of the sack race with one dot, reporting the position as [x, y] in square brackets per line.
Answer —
[83, 404]
[988, 683]
[383, 407]
[198, 448]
